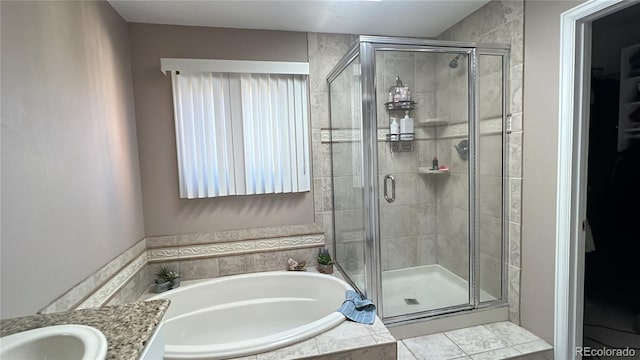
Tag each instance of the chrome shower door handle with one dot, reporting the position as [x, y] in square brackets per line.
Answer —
[391, 198]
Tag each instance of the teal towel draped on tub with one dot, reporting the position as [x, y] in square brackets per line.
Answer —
[357, 309]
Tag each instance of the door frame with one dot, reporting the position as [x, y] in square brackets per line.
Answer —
[573, 138]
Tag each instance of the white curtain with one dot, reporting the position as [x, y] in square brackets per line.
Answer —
[241, 134]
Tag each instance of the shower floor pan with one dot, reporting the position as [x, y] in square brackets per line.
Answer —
[424, 288]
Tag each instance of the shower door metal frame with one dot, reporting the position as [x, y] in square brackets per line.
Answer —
[343, 63]
[507, 125]
[430, 46]
[373, 273]
[365, 47]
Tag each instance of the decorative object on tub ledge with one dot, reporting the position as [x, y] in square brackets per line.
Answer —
[358, 309]
[295, 265]
[166, 279]
[325, 264]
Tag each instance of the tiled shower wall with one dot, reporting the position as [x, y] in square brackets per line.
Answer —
[408, 224]
[325, 50]
[503, 22]
[453, 188]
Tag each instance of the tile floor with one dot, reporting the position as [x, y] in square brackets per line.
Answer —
[501, 340]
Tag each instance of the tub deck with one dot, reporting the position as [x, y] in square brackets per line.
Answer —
[348, 340]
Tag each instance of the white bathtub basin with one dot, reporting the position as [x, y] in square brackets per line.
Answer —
[248, 314]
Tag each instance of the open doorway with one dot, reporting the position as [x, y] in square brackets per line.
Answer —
[573, 194]
[612, 231]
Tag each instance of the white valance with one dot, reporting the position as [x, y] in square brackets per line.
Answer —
[234, 66]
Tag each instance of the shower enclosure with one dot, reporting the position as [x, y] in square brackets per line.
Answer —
[419, 239]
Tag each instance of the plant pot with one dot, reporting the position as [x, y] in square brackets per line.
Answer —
[325, 269]
[167, 286]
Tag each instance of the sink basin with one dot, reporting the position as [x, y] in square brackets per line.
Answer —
[55, 342]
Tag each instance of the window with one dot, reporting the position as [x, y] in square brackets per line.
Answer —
[242, 129]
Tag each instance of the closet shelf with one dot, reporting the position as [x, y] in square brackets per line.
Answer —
[632, 79]
[629, 102]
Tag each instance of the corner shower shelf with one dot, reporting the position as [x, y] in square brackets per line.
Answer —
[430, 171]
[402, 142]
[400, 105]
[401, 137]
[401, 145]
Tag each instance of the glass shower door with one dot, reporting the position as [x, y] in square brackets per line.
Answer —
[492, 175]
[423, 207]
[418, 135]
[346, 139]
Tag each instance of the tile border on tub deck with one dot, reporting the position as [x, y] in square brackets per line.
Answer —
[235, 247]
[107, 280]
[232, 235]
[105, 284]
[103, 294]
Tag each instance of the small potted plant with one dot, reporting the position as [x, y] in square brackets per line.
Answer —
[166, 279]
[325, 264]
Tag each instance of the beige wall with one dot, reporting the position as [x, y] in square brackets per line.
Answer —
[325, 51]
[541, 79]
[164, 212]
[71, 198]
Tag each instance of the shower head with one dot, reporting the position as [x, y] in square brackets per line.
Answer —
[454, 63]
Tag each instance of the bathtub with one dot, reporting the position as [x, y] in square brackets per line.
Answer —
[248, 314]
